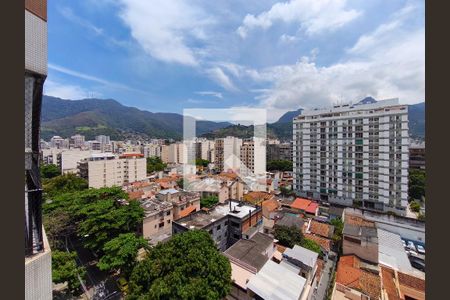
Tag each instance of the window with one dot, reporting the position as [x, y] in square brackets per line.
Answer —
[161, 224]
[168, 221]
[168, 213]
[218, 227]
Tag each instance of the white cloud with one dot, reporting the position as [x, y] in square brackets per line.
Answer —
[218, 75]
[386, 63]
[92, 78]
[286, 38]
[164, 27]
[314, 16]
[68, 14]
[210, 93]
[73, 92]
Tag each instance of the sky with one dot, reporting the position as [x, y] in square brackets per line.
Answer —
[166, 56]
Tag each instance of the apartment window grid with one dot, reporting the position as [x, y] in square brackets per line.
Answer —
[347, 157]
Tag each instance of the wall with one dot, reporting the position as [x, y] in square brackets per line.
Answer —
[38, 274]
[150, 226]
[367, 250]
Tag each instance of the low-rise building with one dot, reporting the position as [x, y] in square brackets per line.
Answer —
[305, 206]
[157, 222]
[227, 223]
[184, 203]
[355, 281]
[276, 282]
[360, 238]
[303, 259]
[247, 257]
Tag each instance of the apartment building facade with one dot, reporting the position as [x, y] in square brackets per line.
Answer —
[253, 157]
[38, 265]
[227, 153]
[107, 170]
[280, 151]
[353, 154]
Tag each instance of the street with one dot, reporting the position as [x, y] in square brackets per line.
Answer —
[322, 286]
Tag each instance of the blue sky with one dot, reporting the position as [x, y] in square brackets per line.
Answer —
[280, 55]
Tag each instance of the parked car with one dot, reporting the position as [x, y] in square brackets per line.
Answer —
[411, 253]
[421, 249]
[411, 246]
[418, 264]
[404, 243]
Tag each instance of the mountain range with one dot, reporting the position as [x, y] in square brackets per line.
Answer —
[91, 117]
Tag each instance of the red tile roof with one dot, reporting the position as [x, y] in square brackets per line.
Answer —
[270, 205]
[187, 211]
[312, 208]
[323, 242]
[321, 229]
[131, 155]
[350, 275]
[255, 197]
[301, 203]
[135, 195]
[389, 283]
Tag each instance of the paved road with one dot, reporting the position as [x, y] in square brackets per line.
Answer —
[100, 284]
[322, 285]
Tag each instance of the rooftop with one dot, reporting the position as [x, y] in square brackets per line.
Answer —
[303, 255]
[301, 203]
[323, 242]
[359, 231]
[251, 251]
[321, 229]
[391, 252]
[276, 282]
[152, 207]
[202, 218]
[290, 220]
[168, 191]
[351, 275]
[256, 197]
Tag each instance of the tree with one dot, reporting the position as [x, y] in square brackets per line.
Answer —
[50, 171]
[188, 266]
[288, 236]
[63, 184]
[65, 268]
[121, 252]
[416, 184]
[415, 206]
[311, 245]
[279, 165]
[201, 162]
[106, 219]
[155, 164]
[209, 201]
[338, 228]
[58, 226]
[286, 192]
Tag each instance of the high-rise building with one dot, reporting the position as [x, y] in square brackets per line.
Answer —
[77, 140]
[354, 155]
[107, 170]
[227, 153]
[103, 139]
[38, 265]
[253, 158]
[417, 156]
[59, 143]
[280, 151]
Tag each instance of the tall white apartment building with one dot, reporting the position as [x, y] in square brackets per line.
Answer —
[253, 157]
[107, 170]
[165, 153]
[77, 140]
[151, 150]
[177, 153]
[205, 150]
[68, 159]
[353, 155]
[227, 153]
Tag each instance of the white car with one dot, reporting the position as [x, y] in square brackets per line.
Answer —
[421, 249]
[411, 253]
[411, 246]
[404, 243]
